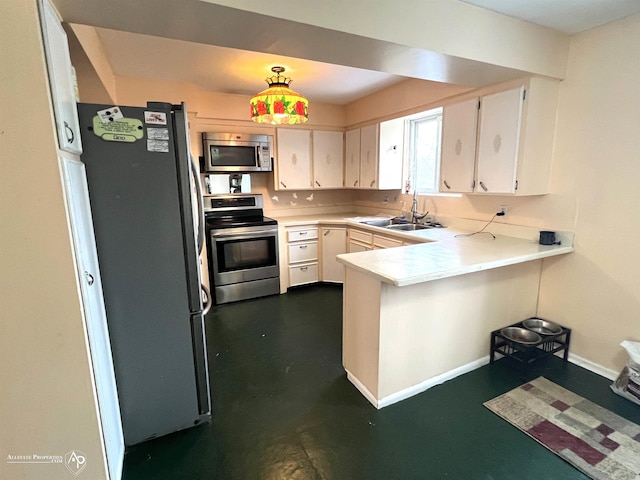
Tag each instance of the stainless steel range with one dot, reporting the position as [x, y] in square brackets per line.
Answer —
[242, 246]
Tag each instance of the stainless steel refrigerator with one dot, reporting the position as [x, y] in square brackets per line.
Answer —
[148, 221]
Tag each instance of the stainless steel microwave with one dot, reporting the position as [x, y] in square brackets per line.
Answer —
[237, 152]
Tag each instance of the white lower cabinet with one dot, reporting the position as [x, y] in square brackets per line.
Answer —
[385, 242]
[302, 255]
[334, 242]
[361, 241]
[311, 251]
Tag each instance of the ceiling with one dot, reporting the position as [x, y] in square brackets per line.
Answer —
[230, 70]
[567, 16]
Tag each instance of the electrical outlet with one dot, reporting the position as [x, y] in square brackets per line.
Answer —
[504, 210]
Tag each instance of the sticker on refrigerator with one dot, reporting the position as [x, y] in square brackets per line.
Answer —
[110, 114]
[158, 133]
[157, 145]
[126, 130]
[157, 118]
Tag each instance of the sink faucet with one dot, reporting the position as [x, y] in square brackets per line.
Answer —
[415, 216]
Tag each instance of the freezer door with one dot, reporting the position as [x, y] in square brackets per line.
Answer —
[200, 359]
[191, 206]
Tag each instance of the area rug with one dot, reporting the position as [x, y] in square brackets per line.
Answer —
[598, 442]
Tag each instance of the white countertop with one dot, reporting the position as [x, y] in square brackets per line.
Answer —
[446, 254]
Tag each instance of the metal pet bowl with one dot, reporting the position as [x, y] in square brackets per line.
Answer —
[521, 335]
[543, 327]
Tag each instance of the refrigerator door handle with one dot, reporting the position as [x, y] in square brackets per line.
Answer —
[207, 297]
[199, 200]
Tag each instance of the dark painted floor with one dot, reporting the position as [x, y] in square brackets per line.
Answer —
[283, 409]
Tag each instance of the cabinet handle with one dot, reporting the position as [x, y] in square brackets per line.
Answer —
[446, 185]
[303, 246]
[90, 279]
[484, 187]
[68, 130]
[283, 184]
[372, 183]
[318, 183]
[302, 233]
[355, 183]
[303, 269]
[327, 233]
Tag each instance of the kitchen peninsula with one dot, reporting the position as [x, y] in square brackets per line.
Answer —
[416, 316]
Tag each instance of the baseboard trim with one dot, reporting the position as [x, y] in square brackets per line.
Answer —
[362, 389]
[456, 372]
[432, 382]
[593, 367]
[415, 389]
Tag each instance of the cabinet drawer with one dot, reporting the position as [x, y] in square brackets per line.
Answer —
[302, 234]
[303, 252]
[361, 236]
[358, 247]
[302, 274]
[385, 242]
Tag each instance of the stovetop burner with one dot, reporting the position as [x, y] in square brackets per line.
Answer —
[236, 210]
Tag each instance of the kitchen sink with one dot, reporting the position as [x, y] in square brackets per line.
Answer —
[383, 222]
[407, 227]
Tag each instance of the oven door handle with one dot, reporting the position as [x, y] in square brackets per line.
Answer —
[223, 236]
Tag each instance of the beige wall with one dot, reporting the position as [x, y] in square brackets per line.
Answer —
[47, 403]
[597, 164]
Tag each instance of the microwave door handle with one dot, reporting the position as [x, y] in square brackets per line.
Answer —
[200, 201]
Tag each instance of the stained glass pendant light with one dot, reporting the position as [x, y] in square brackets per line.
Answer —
[278, 104]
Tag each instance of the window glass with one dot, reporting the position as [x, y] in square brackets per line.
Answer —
[423, 160]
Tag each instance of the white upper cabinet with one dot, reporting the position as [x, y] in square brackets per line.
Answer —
[328, 159]
[499, 139]
[61, 79]
[515, 131]
[309, 159]
[373, 156]
[458, 157]
[390, 154]
[352, 159]
[294, 159]
[369, 157]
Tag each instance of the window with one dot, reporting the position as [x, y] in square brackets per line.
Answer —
[423, 155]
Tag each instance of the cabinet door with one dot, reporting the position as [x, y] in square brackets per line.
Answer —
[500, 120]
[77, 200]
[328, 159]
[294, 159]
[458, 155]
[390, 154]
[61, 79]
[369, 157]
[334, 242]
[352, 159]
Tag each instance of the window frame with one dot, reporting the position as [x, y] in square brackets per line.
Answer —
[411, 122]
